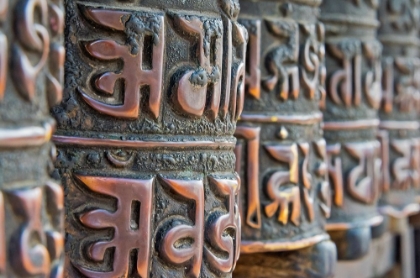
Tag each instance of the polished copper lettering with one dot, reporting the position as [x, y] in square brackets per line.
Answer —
[252, 137]
[335, 172]
[385, 181]
[307, 181]
[405, 168]
[133, 72]
[253, 75]
[322, 172]
[277, 189]
[237, 91]
[345, 85]
[219, 228]
[30, 258]
[372, 79]
[190, 190]
[130, 231]
[193, 86]
[287, 77]
[313, 60]
[34, 36]
[54, 236]
[56, 57]
[362, 181]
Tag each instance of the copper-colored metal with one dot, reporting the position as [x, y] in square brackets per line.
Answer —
[296, 263]
[281, 154]
[260, 246]
[31, 77]
[283, 119]
[145, 137]
[351, 125]
[353, 62]
[99, 142]
[400, 106]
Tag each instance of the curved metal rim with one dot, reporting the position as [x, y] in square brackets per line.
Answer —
[248, 247]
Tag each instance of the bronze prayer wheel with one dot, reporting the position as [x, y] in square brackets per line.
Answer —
[353, 62]
[400, 107]
[281, 154]
[145, 137]
[31, 75]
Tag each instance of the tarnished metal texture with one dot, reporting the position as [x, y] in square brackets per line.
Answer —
[145, 137]
[317, 261]
[400, 107]
[31, 74]
[353, 61]
[281, 154]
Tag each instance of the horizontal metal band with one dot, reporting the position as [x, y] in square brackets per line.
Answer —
[312, 3]
[372, 222]
[248, 247]
[349, 20]
[283, 119]
[399, 40]
[98, 142]
[29, 136]
[403, 213]
[350, 125]
[412, 125]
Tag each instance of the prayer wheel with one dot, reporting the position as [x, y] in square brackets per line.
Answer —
[353, 62]
[400, 107]
[281, 155]
[31, 77]
[146, 137]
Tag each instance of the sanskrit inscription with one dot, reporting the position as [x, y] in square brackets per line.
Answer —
[182, 243]
[140, 29]
[36, 245]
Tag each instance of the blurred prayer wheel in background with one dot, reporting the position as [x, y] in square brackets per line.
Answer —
[145, 137]
[31, 76]
[353, 62]
[400, 107]
[281, 154]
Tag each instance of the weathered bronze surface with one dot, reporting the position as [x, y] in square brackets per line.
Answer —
[31, 75]
[318, 261]
[145, 137]
[400, 107]
[353, 61]
[281, 155]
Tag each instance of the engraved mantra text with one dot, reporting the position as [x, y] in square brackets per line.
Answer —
[135, 234]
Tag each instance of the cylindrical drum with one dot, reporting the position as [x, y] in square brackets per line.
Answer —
[400, 106]
[353, 61]
[145, 137]
[31, 75]
[281, 154]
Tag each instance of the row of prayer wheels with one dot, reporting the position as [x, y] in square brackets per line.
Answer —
[194, 137]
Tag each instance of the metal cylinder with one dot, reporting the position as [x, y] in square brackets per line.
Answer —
[400, 105]
[281, 154]
[145, 137]
[31, 75]
[353, 61]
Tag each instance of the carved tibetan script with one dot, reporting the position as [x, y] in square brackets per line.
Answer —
[347, 84]
[362, 181]
[132, 225]
[137, 71]
[29, 256]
